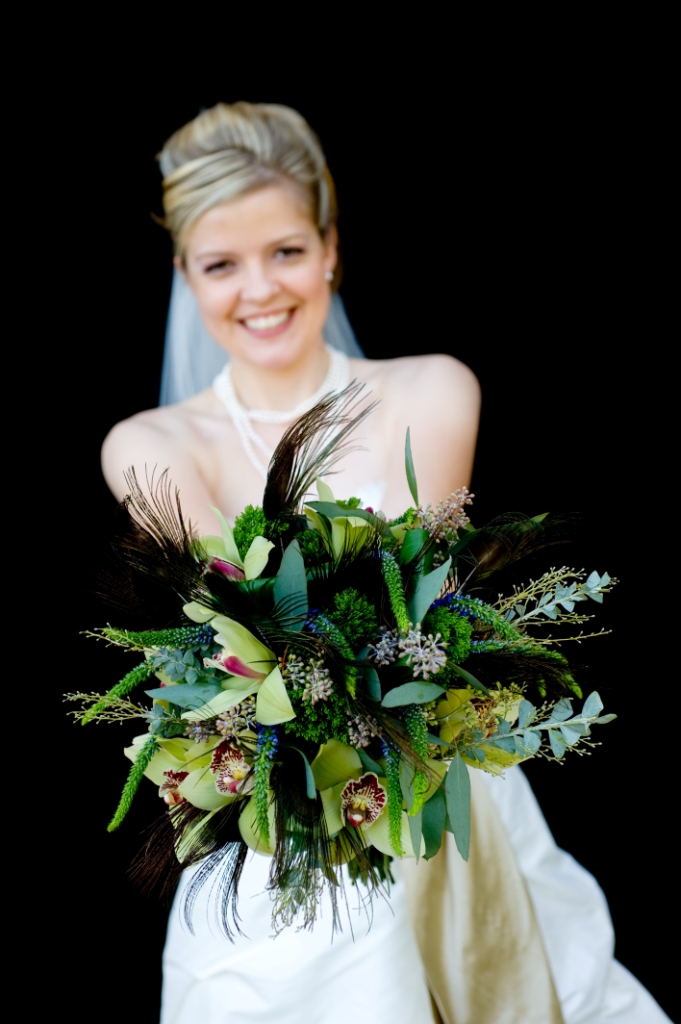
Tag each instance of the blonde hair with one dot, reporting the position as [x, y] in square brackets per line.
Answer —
[236, 148]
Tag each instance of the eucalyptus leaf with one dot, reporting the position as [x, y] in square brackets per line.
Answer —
[433, 815]
[571, 736]
[604, 719]
[503, 726]
[558, 744]
[412, 693]
[531, 741]
[373, 683]
[526, 714]
[416, 830]
[458, 797]
[426, 591]
[593, 579]
[593, 705]
[413, 543]
[186, 695]
[310, 786]
[409, 468]
[470, 679]
[562, 710]
[506, 743]
[290, 589]
[407, 774]
[436, 739]
[369, 763]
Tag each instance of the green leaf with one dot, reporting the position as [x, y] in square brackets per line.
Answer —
[470, 679]
[416, 830]
[561, 711]
[592, 705]
[558, 744]
[290, 589]
[526, 714]
[369, 763]
[433, 817]
[412, 545]
[409, 468]
[407, 775]
[436, 739]
[604, 719]
[458, 797]
[310, 786]
[334, 511]
[412, 693]
[373, 683]
[186, 695]
[571, 736]
[426, 591]
[528, 744]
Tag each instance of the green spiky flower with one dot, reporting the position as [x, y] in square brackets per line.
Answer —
[392, 771]
[417, 731]
[395, 588]
[135, 776]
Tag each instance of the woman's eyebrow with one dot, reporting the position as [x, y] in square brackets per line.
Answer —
[225, 252]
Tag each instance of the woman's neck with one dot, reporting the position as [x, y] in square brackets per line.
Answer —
[282, 388]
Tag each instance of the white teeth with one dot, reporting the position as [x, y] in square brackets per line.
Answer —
[265, 323]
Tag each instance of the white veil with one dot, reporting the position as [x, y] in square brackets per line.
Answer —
[191, 359]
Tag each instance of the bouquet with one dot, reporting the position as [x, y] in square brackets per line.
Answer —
[331, 676]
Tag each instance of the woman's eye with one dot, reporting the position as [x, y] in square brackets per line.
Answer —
[290, 250]
[218, 266]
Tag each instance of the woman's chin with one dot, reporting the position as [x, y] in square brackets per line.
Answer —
[273, 353]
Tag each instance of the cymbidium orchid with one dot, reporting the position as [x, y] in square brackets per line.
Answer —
[231, 770]
[340, 535]
[225, 557]
[362, 801]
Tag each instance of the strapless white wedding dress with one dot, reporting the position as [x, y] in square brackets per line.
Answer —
[376, 976]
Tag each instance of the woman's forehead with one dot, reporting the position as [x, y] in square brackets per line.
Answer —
[270, 214]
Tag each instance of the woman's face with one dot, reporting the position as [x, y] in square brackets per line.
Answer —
[257, 266]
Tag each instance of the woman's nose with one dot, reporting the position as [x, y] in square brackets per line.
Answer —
[258, 284]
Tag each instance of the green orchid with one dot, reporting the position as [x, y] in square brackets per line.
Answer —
[342, 534]
[181, 770]
[225, 557]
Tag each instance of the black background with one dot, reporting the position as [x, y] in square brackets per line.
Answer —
[495, 224]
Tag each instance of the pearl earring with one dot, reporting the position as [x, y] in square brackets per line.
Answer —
[329, 275]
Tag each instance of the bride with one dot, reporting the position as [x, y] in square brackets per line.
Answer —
[251, 207]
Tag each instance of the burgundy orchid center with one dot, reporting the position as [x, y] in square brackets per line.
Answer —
[229, 767]
[227, 569]
[363, 801]
[236, 667]
[169, 788]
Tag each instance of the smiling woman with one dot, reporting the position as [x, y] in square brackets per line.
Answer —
[251, 207]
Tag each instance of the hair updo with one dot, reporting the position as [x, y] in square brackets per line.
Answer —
[236, 148]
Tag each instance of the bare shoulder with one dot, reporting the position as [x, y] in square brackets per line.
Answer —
[151, 439]
[424, 381]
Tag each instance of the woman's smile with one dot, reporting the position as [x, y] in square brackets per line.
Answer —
[268, 325]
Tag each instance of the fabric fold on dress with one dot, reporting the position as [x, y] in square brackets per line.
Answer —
[476, 928]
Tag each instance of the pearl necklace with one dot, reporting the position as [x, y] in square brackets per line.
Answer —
[337, 378]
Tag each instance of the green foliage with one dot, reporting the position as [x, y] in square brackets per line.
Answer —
[249, 525]
[312, 547]
[395, 588]
[128, 683]
[355, 618]
[339, 640]
[392, 771]
[456, 632]
[316, 723]
[134, 778]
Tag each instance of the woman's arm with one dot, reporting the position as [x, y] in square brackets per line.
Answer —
[438, 398]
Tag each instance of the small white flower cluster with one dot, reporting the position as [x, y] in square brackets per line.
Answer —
[200, 731]
[361, 731]
[448, 516]
[385, 651]
[426, 655]
[237, 720]
[314, 678]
